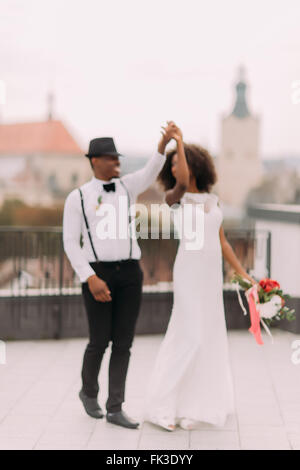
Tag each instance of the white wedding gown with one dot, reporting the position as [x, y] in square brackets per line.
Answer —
[192, 376]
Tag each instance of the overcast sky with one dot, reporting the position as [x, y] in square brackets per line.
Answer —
[121, 68]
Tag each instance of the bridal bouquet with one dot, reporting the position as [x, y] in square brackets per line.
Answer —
[266, 302]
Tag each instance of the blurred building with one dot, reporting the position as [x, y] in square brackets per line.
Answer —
[41, 162]
[238, 164]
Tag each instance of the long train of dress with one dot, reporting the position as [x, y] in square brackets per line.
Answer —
[192, 376]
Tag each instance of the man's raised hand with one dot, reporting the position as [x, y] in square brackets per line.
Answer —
[168, 131]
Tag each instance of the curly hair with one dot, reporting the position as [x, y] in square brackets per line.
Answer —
[200, 163]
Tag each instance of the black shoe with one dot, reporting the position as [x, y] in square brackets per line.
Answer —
[121, 419]
[91, 406]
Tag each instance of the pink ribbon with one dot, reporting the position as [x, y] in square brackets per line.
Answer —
[252, 297]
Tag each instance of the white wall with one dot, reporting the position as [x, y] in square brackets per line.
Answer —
[285, 254]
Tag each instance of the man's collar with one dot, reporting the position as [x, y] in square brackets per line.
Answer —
[95, 180]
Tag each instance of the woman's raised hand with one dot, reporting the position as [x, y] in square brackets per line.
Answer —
[171, 131]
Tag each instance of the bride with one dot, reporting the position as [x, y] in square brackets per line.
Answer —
[191, 380]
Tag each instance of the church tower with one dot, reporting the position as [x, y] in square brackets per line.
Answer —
[239, 166]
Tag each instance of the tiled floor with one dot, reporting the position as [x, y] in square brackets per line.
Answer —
[40, 409]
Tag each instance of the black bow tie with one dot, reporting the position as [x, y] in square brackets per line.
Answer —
[109, 187]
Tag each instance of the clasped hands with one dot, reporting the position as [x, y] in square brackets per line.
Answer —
[171, 131]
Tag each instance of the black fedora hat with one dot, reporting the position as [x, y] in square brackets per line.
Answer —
[102, 146]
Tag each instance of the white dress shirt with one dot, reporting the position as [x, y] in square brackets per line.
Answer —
[109, 249]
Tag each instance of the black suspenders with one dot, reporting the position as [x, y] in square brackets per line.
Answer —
[88, 227]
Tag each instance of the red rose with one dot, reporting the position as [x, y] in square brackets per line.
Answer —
[269, 284]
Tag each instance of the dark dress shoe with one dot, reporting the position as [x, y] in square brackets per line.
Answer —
[91, 406]
[121, 419]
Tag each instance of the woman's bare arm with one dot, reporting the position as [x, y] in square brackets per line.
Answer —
[182, 175]
[231, 257]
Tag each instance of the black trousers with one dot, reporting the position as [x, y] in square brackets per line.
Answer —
[112, 321]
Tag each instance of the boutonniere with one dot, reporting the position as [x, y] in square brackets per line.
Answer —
[99, 200]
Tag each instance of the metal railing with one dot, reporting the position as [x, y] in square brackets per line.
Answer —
[33, 262]
[41, 295]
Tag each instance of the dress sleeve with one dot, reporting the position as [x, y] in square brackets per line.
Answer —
[210, 202]
[220, 203]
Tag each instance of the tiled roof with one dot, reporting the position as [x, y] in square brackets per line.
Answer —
[37, 137]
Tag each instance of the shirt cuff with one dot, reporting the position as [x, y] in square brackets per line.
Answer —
[85, 273]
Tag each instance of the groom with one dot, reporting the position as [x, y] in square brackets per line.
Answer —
[109, 270]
